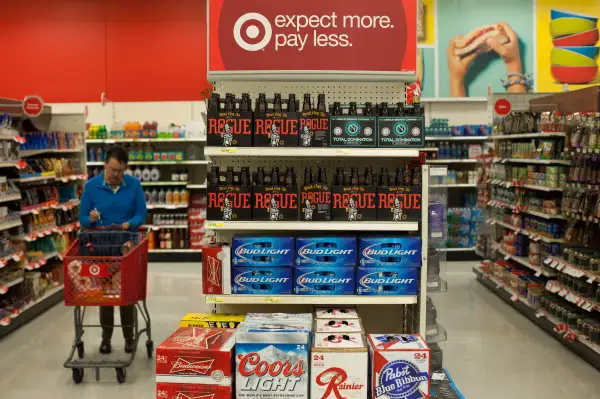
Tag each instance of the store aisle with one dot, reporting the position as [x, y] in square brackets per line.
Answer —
[492, 352]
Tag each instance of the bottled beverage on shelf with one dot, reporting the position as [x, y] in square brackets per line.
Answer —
[214, 176]
[383, 109]
[245, 103]
[308, 179]
[261, 104]
[228, 102]
[147, 196]
[399, 177]
[161, 240]
[183, 175]
[176, 197]
[168, 240]
[416, 176]
[292, 103]
[339, 177]
[137, 173]
[306, 107]
[214, 104]
[229, 176]
[146, 174]
[352, 110]
[245, 177]
[155, 174]
[368, 111]
[322, 175]
[368, 177]
[162, 197]
[384, 179]
[154, 197]
[275, 176]
[260, 176]
[354, 177]
[321, 103]
[151, 240]
[184, 196]
[277, 104]
[399, 110]
[337, 109]
[407, 176]
[175, 243]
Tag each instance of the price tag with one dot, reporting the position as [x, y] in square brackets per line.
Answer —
[5, 321]
[271, 299]
[215, 299]
[514, 298]
[171, 206]
[432, 284]
[591, 280]
[563, 293]
[438, 376]
[493, 222]
[554, 264]
[535, 238]
[538, 273]
[40, 235]
[548, 260]
[344, 151]
[560, 266]
[214, 224]
[438, 171]
[229, 150]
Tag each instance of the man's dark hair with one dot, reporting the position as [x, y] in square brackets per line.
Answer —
[117, 152]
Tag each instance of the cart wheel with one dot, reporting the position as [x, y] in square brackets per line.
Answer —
[150, 349]
[77, 376]
[80, 350]
[121, 375]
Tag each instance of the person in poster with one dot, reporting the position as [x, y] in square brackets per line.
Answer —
[464, 49]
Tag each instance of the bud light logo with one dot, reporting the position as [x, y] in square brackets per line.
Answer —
[249, 277]
[308, 250]
[400, 129]
[400, 379]
[314, 278]
[252, 31]
[370, 252]
[377, 279]
[244, 250]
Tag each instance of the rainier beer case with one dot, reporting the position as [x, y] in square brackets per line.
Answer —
[339, 366]
[399, 366]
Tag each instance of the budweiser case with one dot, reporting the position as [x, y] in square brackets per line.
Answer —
[336, 313]
[221, 320]
[198, 355]
[338, 326]
[178, 390]
[216, 270]
[399, 366]
[339, 365]
[272, 363]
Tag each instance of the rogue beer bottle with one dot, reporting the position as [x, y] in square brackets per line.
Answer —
[306, 103]
[215, 103]
[277, 106]
[337, 108]
[245, 177]
[399, 177]
[322, 175]
[288, 177]
[384, 178]
[261, 104]
[294, 182]
[260, 176]
[399, 111]
[407, 176]
[354, 177]
[228, 103]
[416, 176]
[368, 109]
[308, 176]
[291, 103]
[352, 110]
[229, 176]
[321, 103]
[368, 177]
[214, 176]
[245, 104]
[339, 177]
[275, 176]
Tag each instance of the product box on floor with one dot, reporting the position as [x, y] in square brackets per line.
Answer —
[202, 355]
[354, 203]
[399, 203]
[390, 251]
[276, 122]
[338, 326]
[324, 280]
[275, 203]
[326, 251]
[386, 280]
[263, 251]
[336, 313]
[220, 320]
[216, 270]
[229, 202]
[229, 122]
[347, 130]
[399, 366]
[339, 366]
[261, 280]
[283, 353]
[400, 131]
[184, 390]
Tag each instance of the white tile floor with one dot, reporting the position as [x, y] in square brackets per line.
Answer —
[492, 351]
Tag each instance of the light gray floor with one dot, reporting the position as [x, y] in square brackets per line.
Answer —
[492, 352]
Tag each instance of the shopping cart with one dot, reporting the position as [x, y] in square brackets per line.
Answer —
[106, 268]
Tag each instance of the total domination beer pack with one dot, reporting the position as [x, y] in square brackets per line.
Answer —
[229, 121]
[348, 128]
[402, 127]
[400, 366]
[276, 126]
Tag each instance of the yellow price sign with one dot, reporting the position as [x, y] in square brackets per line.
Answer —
[344, 152]
[229, 150]
[211, 225]
[271, 299]
[215, 299]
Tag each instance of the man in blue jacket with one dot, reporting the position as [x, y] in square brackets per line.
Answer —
[113, 198]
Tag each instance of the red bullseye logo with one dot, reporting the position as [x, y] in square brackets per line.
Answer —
[252, 31]
[94, 270]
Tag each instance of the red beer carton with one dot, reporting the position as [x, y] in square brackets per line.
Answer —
[196, 355]
[174, 390]
[216, 270]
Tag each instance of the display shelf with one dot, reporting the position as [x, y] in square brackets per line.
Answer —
[509, 184]
[456, 138]
[532, 235]
[443, 161]
[454, 100]
[74, 177]
[311, 300]
[5, 285]
[456, 249]
[41, 261]
[29, 153]
[524, 261]
[168, 251]
[197, 186]
[312, 226]
[535, 161]
[8, 164]
[311, 152]
[10, 197]
[462, 185]
[504, 205]
[49, 176]
[10, 225]
[564, 267]
[543, 135]
[163, 183]
[585, 303]
[29, 312]
[15, 256]
[436, 285]
[536, 316]
[166, 226]
[165, 206]
[146, 140]
[189, 162]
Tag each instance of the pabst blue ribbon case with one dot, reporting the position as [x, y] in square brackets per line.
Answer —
[336, 313]
[198, 355]
[261, 280]
[390, 251]
[338, 326]
[324, 280]
[330, 251]
[399, 366]
[263, 251]
[387, 280]
[339, 367]
[272, 364]
[177, 390]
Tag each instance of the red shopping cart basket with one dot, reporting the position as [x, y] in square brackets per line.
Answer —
[105, 280]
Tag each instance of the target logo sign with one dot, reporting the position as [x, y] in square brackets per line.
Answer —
[94, 270]
[249, 29]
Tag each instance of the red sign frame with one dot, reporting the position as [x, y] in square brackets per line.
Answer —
[33, 106]
[334, 40]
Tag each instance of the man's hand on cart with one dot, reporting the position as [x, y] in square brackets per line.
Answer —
[94, 215]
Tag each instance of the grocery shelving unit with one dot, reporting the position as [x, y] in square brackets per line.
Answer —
[549, 269]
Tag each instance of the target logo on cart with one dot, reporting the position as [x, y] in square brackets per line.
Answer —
[94, 270]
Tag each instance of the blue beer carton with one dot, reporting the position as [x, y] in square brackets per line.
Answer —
[326, 251]
[390, 251]
[263, 251]
[261, 280]
[324, 280]
[385, 280]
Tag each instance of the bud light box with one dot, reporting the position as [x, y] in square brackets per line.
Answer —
[314, 129]
[390, 251]
[324, 280]
[400, 366]
[339, 366]
[229, 128]
[229, 203]
[261, 280]
[272, 364]
[275, 203]
[326, 251]
[276, 127]
[399, 203]
[387, 281]
[315, 202]
[352, 130]
[263, 251]
[401, 131]
[354, 203]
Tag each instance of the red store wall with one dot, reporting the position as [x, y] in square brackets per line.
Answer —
[134, 50]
